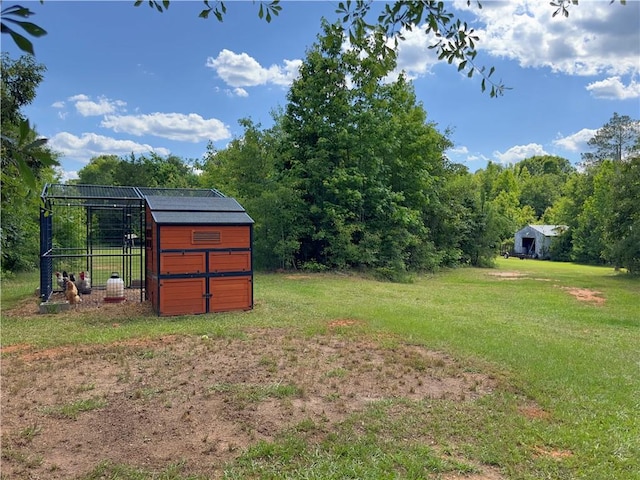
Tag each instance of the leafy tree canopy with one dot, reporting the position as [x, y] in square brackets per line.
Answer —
[21, 148]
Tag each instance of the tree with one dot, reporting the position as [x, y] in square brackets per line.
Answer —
[148, 171]
[248, 169]
[622, 224]
[617, 140]
[25, 165]
[21, 147]
[589, 242]
[366, 163]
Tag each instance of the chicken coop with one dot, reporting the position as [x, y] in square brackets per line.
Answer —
[198, 255]
[98, 232]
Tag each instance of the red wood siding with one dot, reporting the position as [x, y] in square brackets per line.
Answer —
[182, 296]
[185, 237]
[229, 262]
[230, 293]
[172, 263]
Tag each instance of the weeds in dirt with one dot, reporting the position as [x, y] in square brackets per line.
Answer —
[30, 432]
[111, 470]
[72, 410]
[28, 461]
[85, 387]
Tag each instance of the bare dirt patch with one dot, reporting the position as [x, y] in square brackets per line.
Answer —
[201, 400]
[553, 453]
[534, 412]
[507, 275]
[586, 295]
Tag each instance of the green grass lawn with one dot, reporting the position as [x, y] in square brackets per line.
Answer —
[577, 361]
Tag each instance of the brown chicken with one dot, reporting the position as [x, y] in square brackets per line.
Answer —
[71, 293]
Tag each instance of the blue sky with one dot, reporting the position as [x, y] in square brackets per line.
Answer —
[124, 79]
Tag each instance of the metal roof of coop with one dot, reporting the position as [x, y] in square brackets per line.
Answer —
[204, 211]
[106, 194]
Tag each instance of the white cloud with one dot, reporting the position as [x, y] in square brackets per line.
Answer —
[462, 154]
[242, 70]
[58, 104]
[240, 92]
[78, 98]
[414, 55]
[576, 142]
[91, 145]
[519, 152]
[459, 150]
[88, 108]
[613, 89]
[596, 38]
[174, 126]
[477, 158]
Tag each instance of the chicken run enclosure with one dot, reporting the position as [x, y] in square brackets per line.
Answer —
[97, 231]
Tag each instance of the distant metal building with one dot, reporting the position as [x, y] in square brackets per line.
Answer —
[535, 240]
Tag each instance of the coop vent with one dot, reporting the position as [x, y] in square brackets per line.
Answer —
[200, 236]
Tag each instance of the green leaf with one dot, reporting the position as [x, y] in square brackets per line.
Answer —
[23, 43]
[17, 11]
[260, 12]
[26, 173]
[25, 129]
[31, 28]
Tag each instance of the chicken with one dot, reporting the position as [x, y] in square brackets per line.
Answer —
[71, 293]
[62, 279]
[83, 284]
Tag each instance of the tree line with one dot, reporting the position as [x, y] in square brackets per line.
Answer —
[353, 175]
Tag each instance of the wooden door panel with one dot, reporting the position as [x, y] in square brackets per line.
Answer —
[230, 293]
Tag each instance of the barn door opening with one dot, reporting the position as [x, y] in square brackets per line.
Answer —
[529, 245]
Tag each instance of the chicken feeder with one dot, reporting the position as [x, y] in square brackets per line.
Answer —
[115, 289]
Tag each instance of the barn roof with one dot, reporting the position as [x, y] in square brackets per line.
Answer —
[548, 230]
[197, 211]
